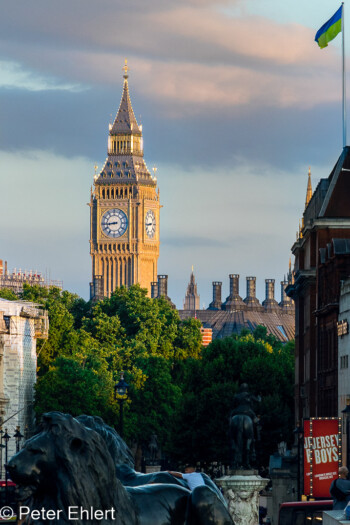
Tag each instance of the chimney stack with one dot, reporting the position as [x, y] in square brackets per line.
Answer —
[286, 302]
[163, 289]
[251, 299]
[162, 285]
[270, 302]
[216, 303]
[234, 284]
[154, 289]
[233, 301]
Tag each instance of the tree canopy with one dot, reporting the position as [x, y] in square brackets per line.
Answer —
[177, 389]
[212, 382]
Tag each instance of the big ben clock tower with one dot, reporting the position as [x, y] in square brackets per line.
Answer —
[124, 210]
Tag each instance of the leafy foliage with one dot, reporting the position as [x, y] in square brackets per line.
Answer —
[211, 384]
[178, 390]
[89, 345]
[5, 293]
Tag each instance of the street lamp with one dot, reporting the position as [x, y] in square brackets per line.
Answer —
[6, 438]
[18, 437]
[346, 413]
[298, 431]
[121, 394]
[1, 447]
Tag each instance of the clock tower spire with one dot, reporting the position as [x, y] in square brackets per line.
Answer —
[124, 209]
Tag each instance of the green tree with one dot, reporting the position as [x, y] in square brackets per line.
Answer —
[69, 386]
[89, 344]
[5, 293]
[211, 384]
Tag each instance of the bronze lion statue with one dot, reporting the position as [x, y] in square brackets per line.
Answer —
[67, 465]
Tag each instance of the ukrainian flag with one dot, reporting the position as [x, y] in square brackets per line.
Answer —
[330, 29]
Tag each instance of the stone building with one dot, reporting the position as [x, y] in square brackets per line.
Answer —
[21, 323]
[343, 358]
[124, 210]
[192, 299]
[15, 279]
[235, 314]
[321, 262]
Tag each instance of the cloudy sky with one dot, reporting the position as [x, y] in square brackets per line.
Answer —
[236, 101]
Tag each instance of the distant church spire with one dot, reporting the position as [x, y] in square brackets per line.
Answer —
[309, 189]
[192, 299]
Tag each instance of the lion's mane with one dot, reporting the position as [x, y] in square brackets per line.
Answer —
[84, 473]
[118, 449]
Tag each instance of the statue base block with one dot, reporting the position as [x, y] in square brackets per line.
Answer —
[241, 491]
[152, 468]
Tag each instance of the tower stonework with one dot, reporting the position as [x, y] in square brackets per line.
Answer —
[192, 299]
[124, 210]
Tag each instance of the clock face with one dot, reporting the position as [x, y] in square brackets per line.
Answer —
[150, 224]
[114, 223]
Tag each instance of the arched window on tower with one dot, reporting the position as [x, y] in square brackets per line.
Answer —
[103, 194]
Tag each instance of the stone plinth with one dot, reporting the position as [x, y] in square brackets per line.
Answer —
[241, 491]
[152, 468]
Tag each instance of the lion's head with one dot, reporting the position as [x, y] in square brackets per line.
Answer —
[66, 465]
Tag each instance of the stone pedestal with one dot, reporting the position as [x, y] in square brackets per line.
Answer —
[241, 491]
[152, 468]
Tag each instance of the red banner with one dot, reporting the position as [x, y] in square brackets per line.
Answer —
[322, 450]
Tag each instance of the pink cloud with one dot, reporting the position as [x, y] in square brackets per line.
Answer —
[187, 54]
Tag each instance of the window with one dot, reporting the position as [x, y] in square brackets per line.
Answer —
[281, 329]
[344, 361]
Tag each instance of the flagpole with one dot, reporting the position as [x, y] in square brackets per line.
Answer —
[343, 61]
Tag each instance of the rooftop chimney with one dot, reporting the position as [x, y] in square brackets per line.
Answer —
[162, 285]
[286, 302]
[163, 288]
[233, 301]
[270, 302]
[216, 303]
[251, 299]
[154, 289]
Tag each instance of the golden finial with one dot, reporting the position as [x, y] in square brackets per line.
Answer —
[192, 268]
[96, 168]
[126, 69]
[154, 170]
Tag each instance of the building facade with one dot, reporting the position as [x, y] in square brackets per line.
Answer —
[124, 210]
[21, 323]
[343, 346]
[15, 279]
[322, 262]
